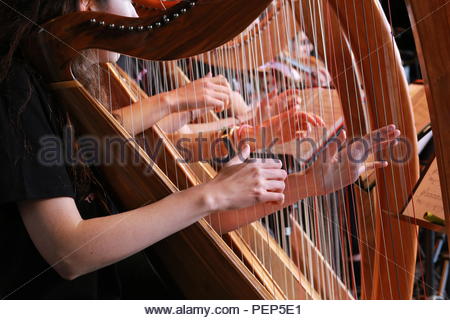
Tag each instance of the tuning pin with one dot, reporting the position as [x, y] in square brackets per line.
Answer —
[130, 28]
[183, 10]
[102, 23]
[150, 27]
[93, 21]
[111, 26]
[140, 28]
[121, 27]
[158, 24]
[192, 3]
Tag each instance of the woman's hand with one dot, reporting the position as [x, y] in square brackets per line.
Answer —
[335, 170]
[238, 107]
[274, 104]
[244, 182]
[206, 93]
[287, 126]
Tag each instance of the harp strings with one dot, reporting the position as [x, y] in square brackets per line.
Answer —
[314, 233]
[358, 196]
[315, 227]
[345, 241]
[320, 207]
[325, 222]
[303, 218]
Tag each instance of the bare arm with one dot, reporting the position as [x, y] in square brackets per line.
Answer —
[141, 115]
[209, 126]
[73, 246]
[175, 121]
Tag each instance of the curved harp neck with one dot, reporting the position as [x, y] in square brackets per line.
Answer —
[185, 30]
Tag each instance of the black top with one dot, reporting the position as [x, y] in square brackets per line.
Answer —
[26, 115]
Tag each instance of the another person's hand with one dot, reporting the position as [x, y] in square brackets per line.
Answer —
[334, 169]
[289, 125]
[274, 104]
[238, 107]
[206, 93]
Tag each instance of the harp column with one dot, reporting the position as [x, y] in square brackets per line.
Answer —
[430, 21]
[388, 101]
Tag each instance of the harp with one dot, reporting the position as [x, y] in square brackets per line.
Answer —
[305, 250]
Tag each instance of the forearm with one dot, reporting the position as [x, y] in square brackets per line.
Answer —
[179, 122]
[95, 243]
[212, 126]
[125, 234]
[199, 146]
[175, 121]
[143, 114]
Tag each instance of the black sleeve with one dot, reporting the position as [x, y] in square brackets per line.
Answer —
[22, 175]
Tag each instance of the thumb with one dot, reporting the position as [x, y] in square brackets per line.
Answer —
[241, 157]
[209, 75]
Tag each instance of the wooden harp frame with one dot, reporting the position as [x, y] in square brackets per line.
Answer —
[222, 274]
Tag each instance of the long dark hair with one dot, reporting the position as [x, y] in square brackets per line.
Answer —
[18, 20]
